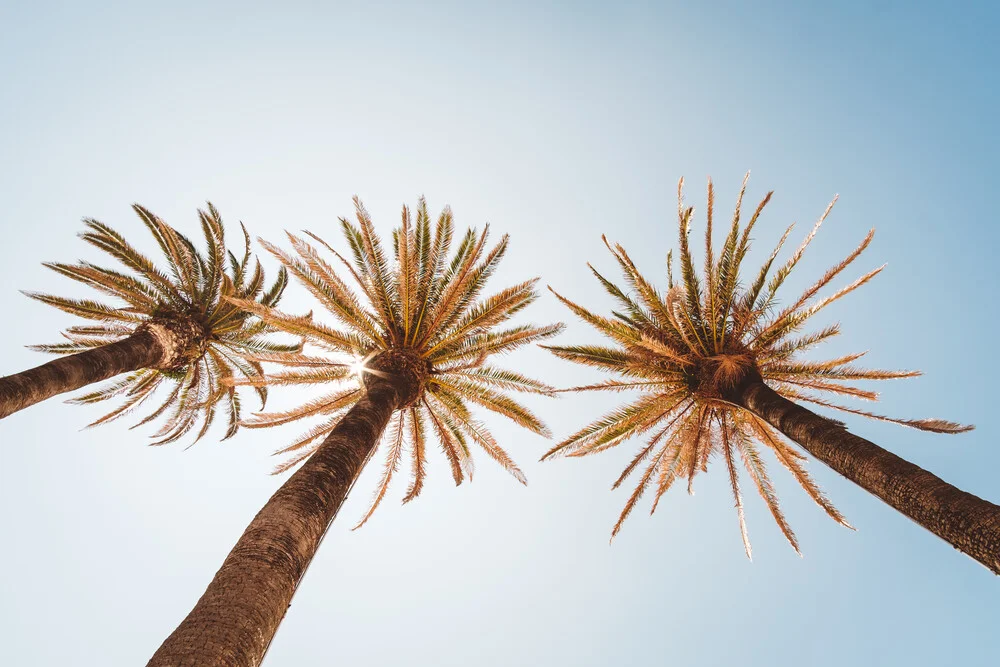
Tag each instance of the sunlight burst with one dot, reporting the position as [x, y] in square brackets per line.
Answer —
[358, 366]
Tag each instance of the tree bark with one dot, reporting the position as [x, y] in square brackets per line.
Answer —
[234, 621]
[967, 522]
[142, 349]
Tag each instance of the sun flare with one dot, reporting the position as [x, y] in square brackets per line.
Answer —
[358, 366]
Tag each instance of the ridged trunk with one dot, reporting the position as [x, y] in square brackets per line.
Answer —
[140, 350]
[235, 620]
[967, 522]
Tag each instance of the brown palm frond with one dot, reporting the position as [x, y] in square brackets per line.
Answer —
[791, 459]
[330, 402]
[505, 379]
[614, 385]
[447, 441]
[734, 481]
[495, 342]
[932, 425]
[758, 473]
[611, 426]
[418, 443]
[391, 465]
[494, 401]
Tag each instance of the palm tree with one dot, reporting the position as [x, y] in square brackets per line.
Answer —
[719, 368]
[175, 329]
[411, 355]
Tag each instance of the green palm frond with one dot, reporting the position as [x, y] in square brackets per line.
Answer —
[685, 348]
[422, 299]
[196, 289]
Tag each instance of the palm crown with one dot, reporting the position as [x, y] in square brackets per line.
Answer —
[424, 310]
[685, 349]
[190, 299]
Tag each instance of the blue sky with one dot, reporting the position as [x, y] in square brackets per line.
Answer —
[555, 123]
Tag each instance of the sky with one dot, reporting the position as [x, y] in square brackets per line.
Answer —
[555, 123]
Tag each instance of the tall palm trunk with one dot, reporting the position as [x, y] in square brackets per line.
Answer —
[140, 350]
[234, 621]
[156, 343]
[967, 522]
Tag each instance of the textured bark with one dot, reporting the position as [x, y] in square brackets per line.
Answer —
[183, 340]
[967, 522]
[140, 350]
[234, 621]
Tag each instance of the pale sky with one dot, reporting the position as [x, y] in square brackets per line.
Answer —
[554, 123]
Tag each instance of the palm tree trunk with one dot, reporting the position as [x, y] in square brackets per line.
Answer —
[140, 350]
[234, 621]
[967, 522]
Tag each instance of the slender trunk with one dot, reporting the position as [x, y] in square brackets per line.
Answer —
[234, 621]
[140, 350]
[967, 522]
